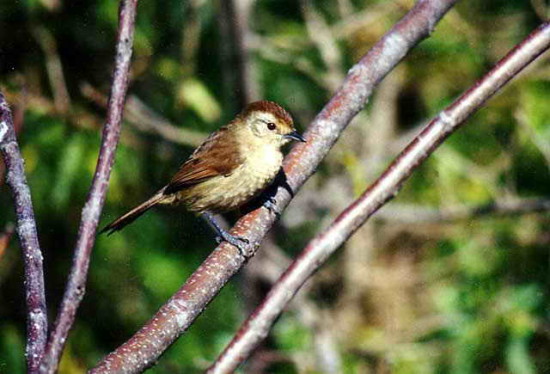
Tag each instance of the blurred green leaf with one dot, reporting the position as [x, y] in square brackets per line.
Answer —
[70, 162]
[194, 94]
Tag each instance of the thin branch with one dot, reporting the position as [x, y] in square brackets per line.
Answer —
[76, 284]
[257, 326]
[144, 348]
[54, 68]
[37, 319]
[145, 119]
[410, 214]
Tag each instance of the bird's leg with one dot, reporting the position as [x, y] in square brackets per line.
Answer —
[240, 243]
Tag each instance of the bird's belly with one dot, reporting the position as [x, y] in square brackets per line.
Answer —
[224, 193]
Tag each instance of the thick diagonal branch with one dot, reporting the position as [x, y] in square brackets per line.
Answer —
[37, 320]
[76, 284]
[257, 326]
[144, 348]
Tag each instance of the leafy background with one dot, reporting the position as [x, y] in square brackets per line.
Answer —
[464, 295]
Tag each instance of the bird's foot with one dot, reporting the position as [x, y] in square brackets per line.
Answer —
[242, 244]
[271, 205]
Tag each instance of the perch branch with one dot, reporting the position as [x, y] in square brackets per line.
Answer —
[76, 284]
[386, 187]
[37, 319]
[174, 317]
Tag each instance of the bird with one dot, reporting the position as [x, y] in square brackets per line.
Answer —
[230, 168]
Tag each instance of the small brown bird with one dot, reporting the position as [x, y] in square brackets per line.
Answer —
[232, 166]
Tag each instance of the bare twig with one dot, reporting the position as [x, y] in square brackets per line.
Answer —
[37, 319]
[54, 68]
[411, 214]
[144, 348]
[145, 119]
[257, 326]
[76, 284]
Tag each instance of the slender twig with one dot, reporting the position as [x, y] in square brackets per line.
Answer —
[144, 348]
[145, 119]
[37, 319]
[257, 326]
[76, 284]
[54, 68]
[410, 214]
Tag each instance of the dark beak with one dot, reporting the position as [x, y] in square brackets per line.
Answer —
[295, 136]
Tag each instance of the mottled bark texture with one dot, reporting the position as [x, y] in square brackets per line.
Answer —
[37, 320]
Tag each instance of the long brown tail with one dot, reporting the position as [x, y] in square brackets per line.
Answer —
[133, 214]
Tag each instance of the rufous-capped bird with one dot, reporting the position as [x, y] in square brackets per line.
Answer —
[231, 167]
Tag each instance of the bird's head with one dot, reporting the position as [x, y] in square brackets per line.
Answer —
[270, 122]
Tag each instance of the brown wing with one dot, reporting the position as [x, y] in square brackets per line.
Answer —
[218, 155]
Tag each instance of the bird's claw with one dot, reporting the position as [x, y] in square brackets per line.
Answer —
[242, 244]
[271, 205]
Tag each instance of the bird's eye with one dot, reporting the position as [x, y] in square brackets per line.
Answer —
[271, 126]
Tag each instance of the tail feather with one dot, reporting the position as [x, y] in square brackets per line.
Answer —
[132, 215]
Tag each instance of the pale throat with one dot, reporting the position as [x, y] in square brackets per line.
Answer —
[262, 156]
